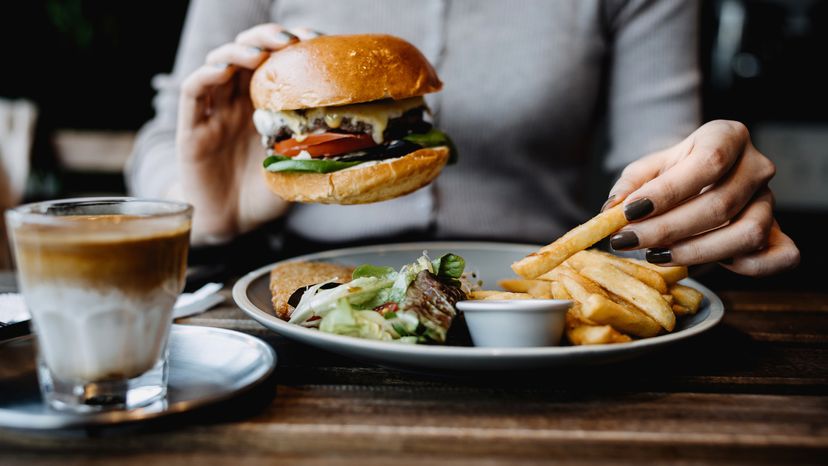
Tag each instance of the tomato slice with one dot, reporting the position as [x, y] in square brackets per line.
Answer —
[325, 144]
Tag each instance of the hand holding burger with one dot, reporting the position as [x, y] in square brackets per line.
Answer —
[220, 160]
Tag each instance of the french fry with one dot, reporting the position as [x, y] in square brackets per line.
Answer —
[595, 335]
[494, 294]
[559, 291]
[634, 291]
[574, 316]
[680, 310]
[690, 298]
[517, 285]
[597, 305]
[580, 287]
[671, 274]
[598, 258]
[602, 311]
[577, 239]
[537, 288]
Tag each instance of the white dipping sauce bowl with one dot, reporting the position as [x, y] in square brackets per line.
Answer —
[516, 323]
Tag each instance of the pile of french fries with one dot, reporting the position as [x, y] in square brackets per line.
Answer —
[616, 299]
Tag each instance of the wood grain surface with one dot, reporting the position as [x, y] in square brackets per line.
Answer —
[750, 391]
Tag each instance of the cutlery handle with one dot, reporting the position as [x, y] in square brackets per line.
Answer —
[17, 329]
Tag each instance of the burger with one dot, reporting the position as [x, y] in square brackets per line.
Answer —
[343, 120]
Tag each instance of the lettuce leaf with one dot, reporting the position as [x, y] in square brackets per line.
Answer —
[280, 163]
[434, 138]
[449, 266]
[345, 320]
[368, 270]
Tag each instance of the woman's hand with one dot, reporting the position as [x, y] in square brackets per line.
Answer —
[218, 149]
[705, 199]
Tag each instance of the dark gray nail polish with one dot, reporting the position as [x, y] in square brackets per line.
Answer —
[288, 37]
[607, 202]
[624, 240]
[659, 255]
[318, 33]
[638, 209]
[728, 261]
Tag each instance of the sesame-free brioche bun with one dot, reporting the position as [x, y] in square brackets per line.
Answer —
[340, 70]
[361, 184]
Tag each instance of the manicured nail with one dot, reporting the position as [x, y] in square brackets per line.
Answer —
[288, 37]
[254, 50]
[318, 33]
[624, 240]
[728, 261]
[659, 255]
[221, 66]
[638, 209]
[607, 203]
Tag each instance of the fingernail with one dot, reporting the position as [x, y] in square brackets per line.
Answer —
[254, 50]
[607, 202]
[624, 240]
[221, 66]
[638, 209]
[728, 261]
[318, 33]
[659, 255]
[288, 37]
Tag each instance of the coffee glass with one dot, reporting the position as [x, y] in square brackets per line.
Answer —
[100, 277]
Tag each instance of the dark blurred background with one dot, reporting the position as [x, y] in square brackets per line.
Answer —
[88, 65]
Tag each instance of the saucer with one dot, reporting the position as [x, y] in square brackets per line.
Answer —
[206, 365]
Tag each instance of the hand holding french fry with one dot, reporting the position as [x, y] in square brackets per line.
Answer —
[614, 298]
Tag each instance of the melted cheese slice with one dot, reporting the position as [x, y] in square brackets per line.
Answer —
[375, 114]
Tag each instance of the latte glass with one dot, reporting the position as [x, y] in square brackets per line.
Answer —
[100, 277]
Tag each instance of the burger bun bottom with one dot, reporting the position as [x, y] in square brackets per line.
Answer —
[364, 183]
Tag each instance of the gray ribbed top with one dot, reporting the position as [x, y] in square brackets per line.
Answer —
[527, 85]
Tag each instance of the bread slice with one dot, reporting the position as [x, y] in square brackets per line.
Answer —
[288, 277]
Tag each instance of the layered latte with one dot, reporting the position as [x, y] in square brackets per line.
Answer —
[101, 289]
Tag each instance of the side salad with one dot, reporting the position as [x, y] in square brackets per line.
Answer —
[413, 305]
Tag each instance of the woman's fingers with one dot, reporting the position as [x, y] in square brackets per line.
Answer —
[746, 234]
[268, 36]
[242, 56]
[711, 209]
[781, 254]
[305, 33]
[716, 146]
[195, 102]
[634, 176]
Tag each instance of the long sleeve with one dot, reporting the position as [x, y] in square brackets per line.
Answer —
[152, 167]
[654, 77]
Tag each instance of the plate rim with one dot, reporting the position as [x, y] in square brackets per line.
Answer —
[715, 314]
[59, 420]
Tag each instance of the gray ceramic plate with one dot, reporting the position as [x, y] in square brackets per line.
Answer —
[492, 262]
[206, 365]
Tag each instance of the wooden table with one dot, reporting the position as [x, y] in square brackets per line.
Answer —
[750, 391]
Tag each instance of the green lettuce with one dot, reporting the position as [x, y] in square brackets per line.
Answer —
[280, 163]
[345, 320]
[434, 138]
